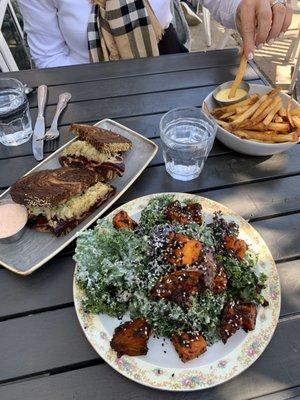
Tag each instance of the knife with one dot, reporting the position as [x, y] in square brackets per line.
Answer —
[39, 128]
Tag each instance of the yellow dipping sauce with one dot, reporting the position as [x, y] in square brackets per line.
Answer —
[222, 95]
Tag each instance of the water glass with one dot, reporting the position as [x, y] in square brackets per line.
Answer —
[15, 121]
[187, 137]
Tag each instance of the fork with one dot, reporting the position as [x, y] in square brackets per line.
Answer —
[53, 132]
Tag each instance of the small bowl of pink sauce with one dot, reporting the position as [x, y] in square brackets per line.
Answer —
[13, 219]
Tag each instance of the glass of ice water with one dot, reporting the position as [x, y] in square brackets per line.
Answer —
[187, 137]
[15, 121]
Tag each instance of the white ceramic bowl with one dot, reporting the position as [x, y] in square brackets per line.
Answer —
[250, 147]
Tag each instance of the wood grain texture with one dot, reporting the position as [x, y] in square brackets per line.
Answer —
[276, 370]
[128, 86]
[49, 287]
[282, 235]
[40, 342]
[129, 106]
[127, 68]
[289, 394]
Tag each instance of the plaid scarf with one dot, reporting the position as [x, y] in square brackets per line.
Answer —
[123, 29]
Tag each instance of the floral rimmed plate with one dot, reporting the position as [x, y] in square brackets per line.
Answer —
[161, 368]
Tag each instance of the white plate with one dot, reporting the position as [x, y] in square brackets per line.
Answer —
[35, 248]
[251, 147]
[221, 362]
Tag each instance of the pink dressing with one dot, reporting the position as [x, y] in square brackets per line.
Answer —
[13, 217]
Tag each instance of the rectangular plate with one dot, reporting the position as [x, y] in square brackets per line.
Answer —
[35, 248]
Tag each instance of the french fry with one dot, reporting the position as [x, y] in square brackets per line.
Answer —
[245, 134]
[223, 124]
[288, 112]
[239, 77]
[274, 92]
[272, 113]
[206, 109]
[276, 127]
[241, 110]
[279, 127]
[296, 112]
[282, 112]
[249, 112]
[296, 121]
[267, 136]
[262, 108]
[278, 119]
[227, 115]
[264, 114]
[232, 107]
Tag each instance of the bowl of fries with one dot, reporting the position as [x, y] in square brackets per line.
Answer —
[266, 123]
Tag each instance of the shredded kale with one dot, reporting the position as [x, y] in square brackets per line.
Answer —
[107, 260]
[244, 284]
[153, 214]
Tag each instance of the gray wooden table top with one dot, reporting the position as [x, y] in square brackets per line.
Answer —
[43, 352]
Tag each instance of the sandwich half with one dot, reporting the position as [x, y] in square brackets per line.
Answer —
[58, 200]
[97, 150]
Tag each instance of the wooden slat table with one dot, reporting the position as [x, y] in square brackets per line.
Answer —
[44, 354]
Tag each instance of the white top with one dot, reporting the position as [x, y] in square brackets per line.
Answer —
[57, 29]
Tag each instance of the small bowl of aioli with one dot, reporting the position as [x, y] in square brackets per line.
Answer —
[220, 94]
[13, 219]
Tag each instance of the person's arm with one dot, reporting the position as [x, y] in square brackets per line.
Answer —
[47, 45]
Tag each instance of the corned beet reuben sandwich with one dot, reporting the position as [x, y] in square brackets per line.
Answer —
[96, 149]
[58, 200]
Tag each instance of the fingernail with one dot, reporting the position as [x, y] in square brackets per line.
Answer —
[270, 42]
[281, 36]
[250, 56]
[260, 46]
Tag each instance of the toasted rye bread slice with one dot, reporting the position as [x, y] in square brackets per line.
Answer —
[50, 188]
[64, 226]
[102, 139]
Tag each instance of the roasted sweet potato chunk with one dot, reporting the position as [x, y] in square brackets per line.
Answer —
[181, 250]
[177, 286]
[237, 246]
[231, 321]
[189, 346]
[248, 312]
[123, 221]
[184, 213]
[131, 338]
[220, 281]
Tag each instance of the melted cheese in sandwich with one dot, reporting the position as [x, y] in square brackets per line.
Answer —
[81, 148]
[74, 207]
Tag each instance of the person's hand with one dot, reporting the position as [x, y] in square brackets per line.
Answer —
[258, 22]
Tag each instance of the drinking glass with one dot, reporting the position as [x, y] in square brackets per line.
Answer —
[187, 137]
[15, 121]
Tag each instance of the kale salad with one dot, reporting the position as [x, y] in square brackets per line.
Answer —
[176, 276]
